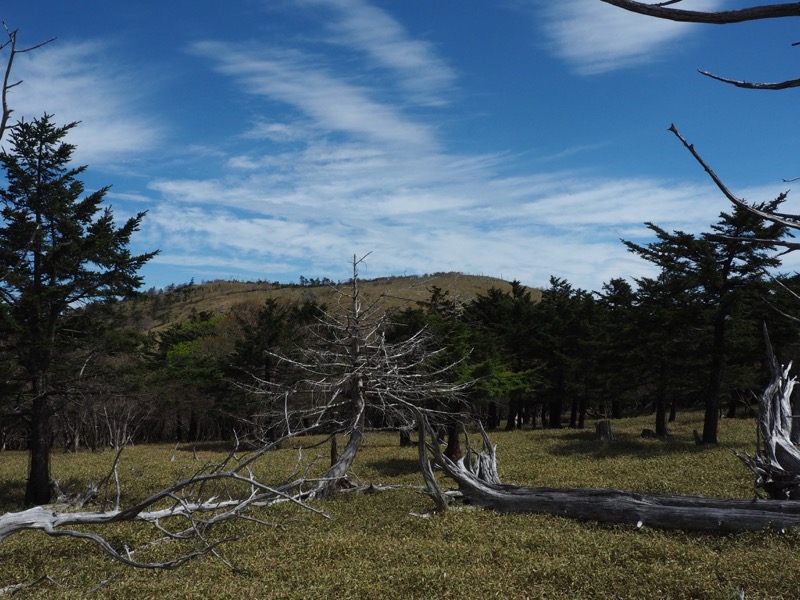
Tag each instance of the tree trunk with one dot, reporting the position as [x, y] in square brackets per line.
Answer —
[38, 490]
[661, 400]
[603, 430]
[555, 408]
[777, 461]
[482, 487]
[492, 420]
[573, 413]
[513, 410]
[733, 399]
[334, 451]
[616, 408]
[453, 449]
[335, 475]
[711, 420]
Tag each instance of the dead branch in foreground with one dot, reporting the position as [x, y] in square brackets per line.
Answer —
[479, 485]
[777, 460]
[184, 512]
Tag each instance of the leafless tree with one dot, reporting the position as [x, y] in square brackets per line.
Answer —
[10, 45]
[349, 369]
[666, 10]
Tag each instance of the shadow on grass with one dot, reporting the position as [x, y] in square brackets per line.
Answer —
[624, 444]
[12, 496]
[390, 467]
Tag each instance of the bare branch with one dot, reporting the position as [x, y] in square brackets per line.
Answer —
[722, 17]
[11, 43]
[183, 512]
[13, 589]
[779, 85]
[790, 221]
[792, 293]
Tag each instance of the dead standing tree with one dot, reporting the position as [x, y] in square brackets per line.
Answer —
[350, 369]
[8, 84]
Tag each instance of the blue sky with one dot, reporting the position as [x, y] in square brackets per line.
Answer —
[270, 139]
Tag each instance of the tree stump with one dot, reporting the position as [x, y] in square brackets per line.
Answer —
[603, 429]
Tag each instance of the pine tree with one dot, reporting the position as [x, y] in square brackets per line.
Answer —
[59, 250]
[721, 266]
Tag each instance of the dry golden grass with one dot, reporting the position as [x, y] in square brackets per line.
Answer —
[222, 296]
[375, 546]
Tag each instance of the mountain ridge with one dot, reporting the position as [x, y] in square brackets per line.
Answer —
[155, 310]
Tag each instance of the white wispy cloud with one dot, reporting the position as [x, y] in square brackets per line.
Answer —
[595, 37]
[330, 102]
[420, 214]
[80, 82]
[366, 28]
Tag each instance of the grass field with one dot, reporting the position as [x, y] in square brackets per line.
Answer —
[377, 545]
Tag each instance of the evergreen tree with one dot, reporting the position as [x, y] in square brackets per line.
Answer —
[721, 266]
[563, 341]
[617, 361]
[670, 325]
[58, 250]
[503, 362]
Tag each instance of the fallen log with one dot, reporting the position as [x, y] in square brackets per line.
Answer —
[687, 513]
[664, 511]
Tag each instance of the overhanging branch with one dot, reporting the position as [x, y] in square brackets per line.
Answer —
[721, 17]
[789, 221]
[663, 10]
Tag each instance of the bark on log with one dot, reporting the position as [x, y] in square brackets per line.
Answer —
[687, 513]
[480, 485]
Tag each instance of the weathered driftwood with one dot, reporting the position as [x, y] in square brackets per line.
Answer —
[777, 460]
[184, 512]
[480, 485]
[611, 506]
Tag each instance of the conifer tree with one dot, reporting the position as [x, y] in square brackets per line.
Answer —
[59, 250]
[721, 266]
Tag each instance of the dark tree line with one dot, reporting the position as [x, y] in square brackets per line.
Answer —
[687, 338]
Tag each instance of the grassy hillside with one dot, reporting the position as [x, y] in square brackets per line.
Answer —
[157, 309]
[378, 545]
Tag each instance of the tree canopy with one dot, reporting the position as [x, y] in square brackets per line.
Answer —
[59, 250]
